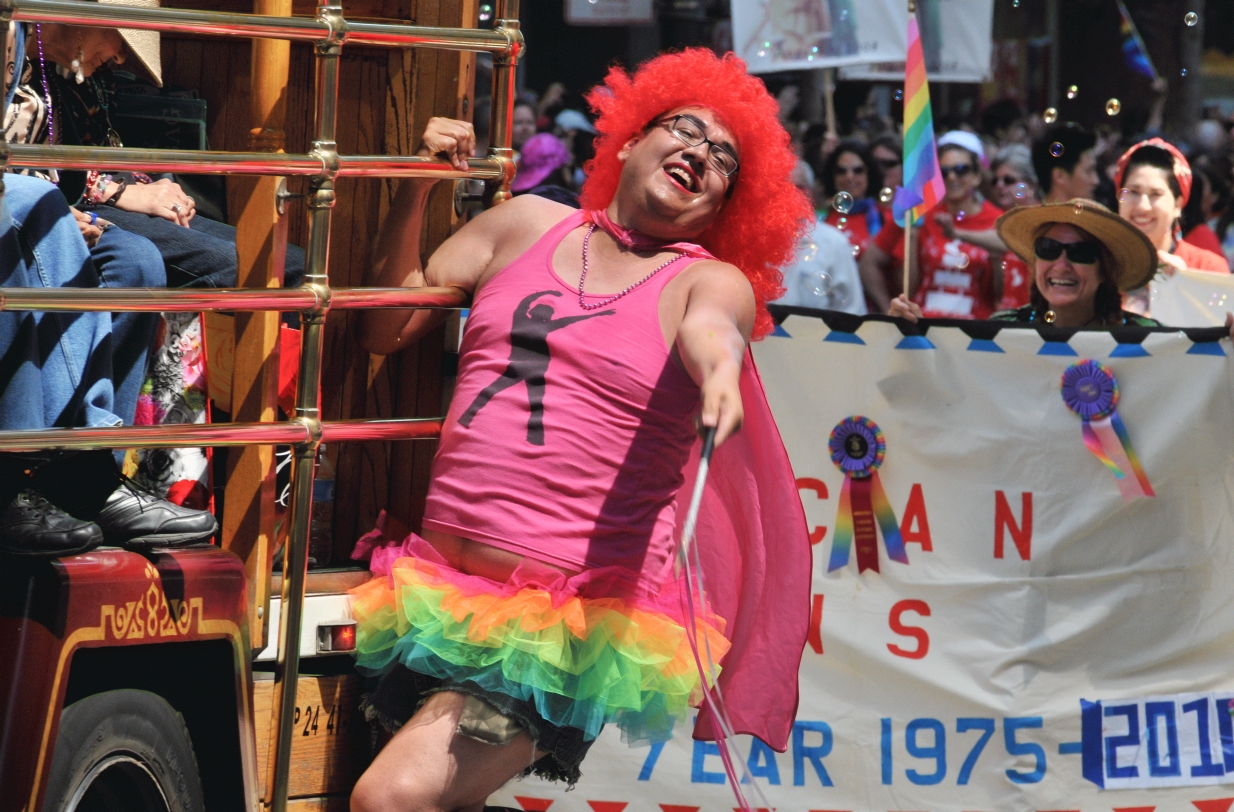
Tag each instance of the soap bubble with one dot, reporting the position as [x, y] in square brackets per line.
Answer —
[1072, 92]
[843, 222]
[1056, 149]
[959, 217]
[1079, 208]
[1123, 194]
[1021, 191]
[1050, 115]
[1113, 107]
[1191, 18]
[856, 251]
[1183, 72]
[1015, 3]
[964, 260]
[899, 95]
[762, 53]
[886, 194]
[819, 284]
[842, 202]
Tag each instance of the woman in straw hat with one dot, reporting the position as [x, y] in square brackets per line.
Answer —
[1082, 256]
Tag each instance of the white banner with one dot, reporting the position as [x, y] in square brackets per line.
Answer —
[1192, 298]
[610, 12]
[1047, 646]
[956, 38]
[775, 35]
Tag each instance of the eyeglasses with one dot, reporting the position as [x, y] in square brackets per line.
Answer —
[851, 170]
[959, 170]
[888, 163]
[1006, 180]
[1081, 253]
[692, 133]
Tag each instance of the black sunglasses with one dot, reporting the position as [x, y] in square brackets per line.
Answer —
[888, 163]
[1081, 253]
[959, 170]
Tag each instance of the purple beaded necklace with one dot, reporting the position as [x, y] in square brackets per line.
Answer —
[582, 301]
[51, 126]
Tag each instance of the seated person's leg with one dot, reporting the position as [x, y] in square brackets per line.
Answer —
[55, 371]
[126, 260]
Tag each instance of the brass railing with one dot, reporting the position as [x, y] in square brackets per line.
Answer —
[329, 31]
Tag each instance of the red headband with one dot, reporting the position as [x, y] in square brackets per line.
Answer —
[1182, 169]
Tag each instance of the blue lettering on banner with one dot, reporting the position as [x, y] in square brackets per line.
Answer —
[885, 749]
[936, 751]
[814, 753]
[1160, 741]
[699, 774]
[762, 763]
[649, 763]
[1018, 748]
[986, 726]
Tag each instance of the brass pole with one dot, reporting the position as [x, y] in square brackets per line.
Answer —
[308, 407]
[148, 300]
[502, 119]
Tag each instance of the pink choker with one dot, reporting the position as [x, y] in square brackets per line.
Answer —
[638, 241]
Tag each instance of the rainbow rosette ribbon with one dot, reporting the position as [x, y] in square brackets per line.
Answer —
[1091, 391]
[858, 448]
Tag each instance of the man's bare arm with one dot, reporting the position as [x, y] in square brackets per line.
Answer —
[712, 341]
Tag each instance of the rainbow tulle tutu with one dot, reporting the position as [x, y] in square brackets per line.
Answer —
[582, 656]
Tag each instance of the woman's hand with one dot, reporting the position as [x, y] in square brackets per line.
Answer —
[450, 140]
[947, 223]
[722, 409]
[90, 231]
[903, 308]
[1170, 264]
[163, 198]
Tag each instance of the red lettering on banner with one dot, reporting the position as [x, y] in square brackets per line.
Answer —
[1004, 520]
[534, 804]
[830, 810]
[896, 622]
[815, 634]
[607, 806]
[1215, 805]
[1134, 808]
[820, 489]
[676, 808]
[915, 511]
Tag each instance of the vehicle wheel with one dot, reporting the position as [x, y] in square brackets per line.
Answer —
[123, 751]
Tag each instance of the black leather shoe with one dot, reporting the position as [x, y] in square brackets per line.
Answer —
[139, 520]
[32, 526]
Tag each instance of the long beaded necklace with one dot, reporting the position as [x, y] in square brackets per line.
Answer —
[51, 126]
[582, 302]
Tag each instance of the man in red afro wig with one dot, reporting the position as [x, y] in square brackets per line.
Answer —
[595, 340]
[758, 227]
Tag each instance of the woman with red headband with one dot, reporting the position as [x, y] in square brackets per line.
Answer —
[539, 604]
[1154, 182]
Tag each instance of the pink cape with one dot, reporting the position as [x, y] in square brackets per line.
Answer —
[757, 563]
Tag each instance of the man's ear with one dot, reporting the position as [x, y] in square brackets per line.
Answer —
[624, 152]
[1059, 177]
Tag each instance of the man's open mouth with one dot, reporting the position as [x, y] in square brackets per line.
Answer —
[682, 176]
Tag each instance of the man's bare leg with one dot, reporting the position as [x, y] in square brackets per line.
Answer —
[429, 767]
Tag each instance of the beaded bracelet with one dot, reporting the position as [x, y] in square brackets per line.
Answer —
[111, 201]
[96, 186]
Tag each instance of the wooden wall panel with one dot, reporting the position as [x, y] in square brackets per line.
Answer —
[386, 97]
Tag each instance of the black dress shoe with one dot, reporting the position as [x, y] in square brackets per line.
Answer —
[139, 520]
[32, 526]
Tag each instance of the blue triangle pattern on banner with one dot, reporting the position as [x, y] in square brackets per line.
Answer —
[1207, 348]
[983, 345]
[1129, 351]
[780, 331]
[914, 343]
[1056, 348]
[844, 338]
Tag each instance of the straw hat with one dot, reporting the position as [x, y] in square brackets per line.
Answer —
[1135, 259]
[142, 44]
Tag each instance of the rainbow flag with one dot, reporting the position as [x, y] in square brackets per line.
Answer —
[1134, 52]
[923, 182]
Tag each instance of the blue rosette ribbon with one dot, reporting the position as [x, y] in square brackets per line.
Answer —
[1090, 390]
[858, 448]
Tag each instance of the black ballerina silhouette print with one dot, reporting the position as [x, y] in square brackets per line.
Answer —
[529, 358]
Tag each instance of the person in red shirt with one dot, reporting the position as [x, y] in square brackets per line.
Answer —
[950, 277]
[850, 168]
[1154, 182]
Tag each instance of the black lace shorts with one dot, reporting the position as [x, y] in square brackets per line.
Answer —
[401, 692]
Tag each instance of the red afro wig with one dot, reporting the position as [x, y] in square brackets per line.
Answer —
[759, 225]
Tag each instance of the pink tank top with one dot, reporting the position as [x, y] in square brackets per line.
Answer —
[569, 428]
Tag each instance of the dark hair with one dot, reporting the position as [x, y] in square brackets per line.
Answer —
[1107, 301]
[1000, 115]
[874, 172]
[1075, 141]
[888, 141]
[976, 159]
[1159, 158]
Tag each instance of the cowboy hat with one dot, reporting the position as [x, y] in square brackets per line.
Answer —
[1134, 258]
[142, 44]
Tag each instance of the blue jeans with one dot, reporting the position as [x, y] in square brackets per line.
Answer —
[125, 260]
[202, 255]
[55, 368]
